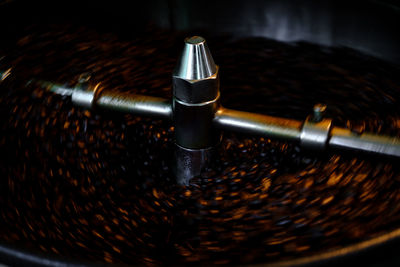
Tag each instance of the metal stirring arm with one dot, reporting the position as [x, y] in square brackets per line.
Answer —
[311, 135]
[198, 117]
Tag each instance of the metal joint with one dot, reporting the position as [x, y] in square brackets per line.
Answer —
[86, 97]
[193, 123]
[315, 135]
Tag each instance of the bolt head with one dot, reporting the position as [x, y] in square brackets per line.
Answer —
[84, 78]
[319, 111]
[196, 91]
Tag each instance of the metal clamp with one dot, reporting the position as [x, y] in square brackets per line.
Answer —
[86, 96]
[315, 135]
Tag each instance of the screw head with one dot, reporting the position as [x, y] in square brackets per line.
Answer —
[319, 111]
[84, 78]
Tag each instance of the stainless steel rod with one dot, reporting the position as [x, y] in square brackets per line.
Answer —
[136, 104]
[344, 138]
[257, 124]
[124, 102]
[243, 122]
[291, 130]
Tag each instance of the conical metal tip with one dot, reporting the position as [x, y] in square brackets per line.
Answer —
[196, 61]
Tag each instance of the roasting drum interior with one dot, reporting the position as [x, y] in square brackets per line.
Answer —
[288, 42]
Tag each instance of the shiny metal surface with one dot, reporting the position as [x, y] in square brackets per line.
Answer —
[193, 127]
[366, 142]
[56, 88]
[195, 101]
[309, 134]
[84, 97]
[196, 61]
[196, 91]
[196, 77]
[189, 163]
[195, 95]
[136, 104]
[315, 135]
[257, 124]
[198, 116]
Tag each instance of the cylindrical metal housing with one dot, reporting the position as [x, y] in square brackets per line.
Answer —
[194, 104]
[196, 94]
[193, 124]
[190, 162]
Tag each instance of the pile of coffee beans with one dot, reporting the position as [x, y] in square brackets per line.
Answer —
[97, 186]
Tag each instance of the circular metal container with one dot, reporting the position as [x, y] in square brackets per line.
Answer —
[368, 26]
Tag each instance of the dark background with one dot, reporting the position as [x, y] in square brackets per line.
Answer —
[371, 26]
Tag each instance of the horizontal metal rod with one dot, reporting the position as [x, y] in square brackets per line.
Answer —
[291, 130]
[136, 104]
[379, 144]
[243, 122]
[257, 124]
[142, 105]
[53, 87]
